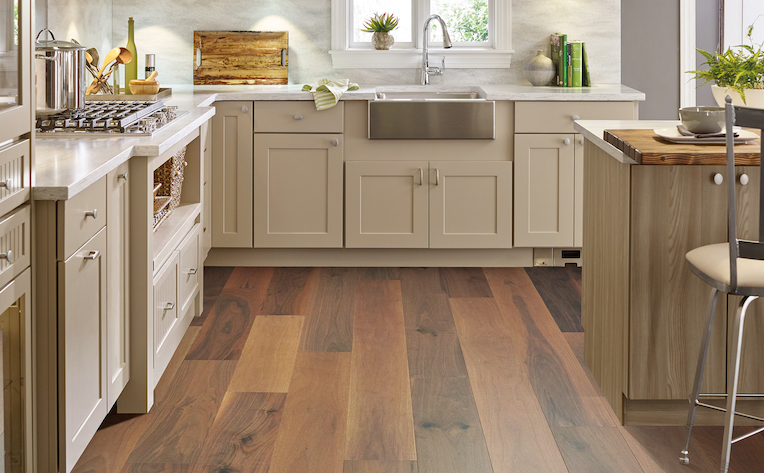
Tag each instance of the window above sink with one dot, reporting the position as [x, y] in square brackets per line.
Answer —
[349, 50]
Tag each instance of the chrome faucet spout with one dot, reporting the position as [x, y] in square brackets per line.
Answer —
[426, 69]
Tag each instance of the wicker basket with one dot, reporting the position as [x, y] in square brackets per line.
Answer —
[170, 176]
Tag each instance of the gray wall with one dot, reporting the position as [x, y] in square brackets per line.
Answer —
[707, 39]
[650, 54]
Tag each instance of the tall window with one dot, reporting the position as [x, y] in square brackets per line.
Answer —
[468, 21]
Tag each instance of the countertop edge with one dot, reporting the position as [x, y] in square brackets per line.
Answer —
[593, 130]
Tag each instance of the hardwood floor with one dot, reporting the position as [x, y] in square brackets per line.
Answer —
[387, 370]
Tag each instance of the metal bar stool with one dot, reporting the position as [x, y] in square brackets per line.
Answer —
[736, 268]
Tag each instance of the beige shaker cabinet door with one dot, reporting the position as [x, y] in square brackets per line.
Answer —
[298, 191]
[232, 136]
[82, 336]
[544, 190]
[578, 189]
[386, 204]
[470, 204]
[118, 276]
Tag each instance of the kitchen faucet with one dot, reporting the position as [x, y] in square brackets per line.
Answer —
[426, 69]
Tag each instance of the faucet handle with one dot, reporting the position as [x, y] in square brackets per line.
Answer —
[442, 65]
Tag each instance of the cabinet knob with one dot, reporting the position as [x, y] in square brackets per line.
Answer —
[335, 142]
[8, 183]
[581, 141]
[744, 179]
[169, 306]
[192, 271]
[298, 117]
[92, 254]
[244, 109]
[122, 176]
[7, 256]
[575, 117]
[718, 179]
[566, 141]
[91, 213]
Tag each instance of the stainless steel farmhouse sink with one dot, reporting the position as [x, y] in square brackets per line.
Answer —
[431, 114]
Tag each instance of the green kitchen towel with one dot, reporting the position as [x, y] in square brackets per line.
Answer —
[327, 92]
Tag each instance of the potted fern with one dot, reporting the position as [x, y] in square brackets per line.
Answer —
[738, 73]
[381, 25]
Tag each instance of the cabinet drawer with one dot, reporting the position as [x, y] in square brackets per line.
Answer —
[83, 215]
[297, 117]
[557, 117]
[189, 269]
[14, 176]
[14, 244]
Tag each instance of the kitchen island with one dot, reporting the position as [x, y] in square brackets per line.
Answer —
[643, 311]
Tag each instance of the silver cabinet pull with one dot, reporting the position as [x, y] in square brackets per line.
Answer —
[7, 256]
[335, 142]
[298, 117]
[718, 179]
[192, 271]
[744, 180]
[93, 254]
[421, 176]
[437, 177]
[575, 117]
[122, 176]
[8, 183]
[169, 306]
[244, 109]
[91, 213]
[566, 141]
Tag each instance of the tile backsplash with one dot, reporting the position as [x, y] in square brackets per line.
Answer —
[166, 29]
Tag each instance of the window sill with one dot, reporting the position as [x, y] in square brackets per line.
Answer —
[461, 58]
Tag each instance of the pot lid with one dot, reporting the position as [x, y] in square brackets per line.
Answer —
[52, 44]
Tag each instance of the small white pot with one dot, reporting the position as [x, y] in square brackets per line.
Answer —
[753, 97]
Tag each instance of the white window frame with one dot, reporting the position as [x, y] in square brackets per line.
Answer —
[497, 56]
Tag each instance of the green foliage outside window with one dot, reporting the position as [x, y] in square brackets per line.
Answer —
[466, 24]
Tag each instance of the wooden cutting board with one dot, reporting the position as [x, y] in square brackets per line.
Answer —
[241, 57]
[645, 147]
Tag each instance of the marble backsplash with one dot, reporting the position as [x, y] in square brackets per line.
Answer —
[166, 29]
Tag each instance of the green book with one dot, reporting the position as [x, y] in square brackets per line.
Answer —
[569, 66]
[576, 60]
[587, 79]
[559, 57]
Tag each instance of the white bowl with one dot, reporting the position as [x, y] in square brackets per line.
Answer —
[753, 97]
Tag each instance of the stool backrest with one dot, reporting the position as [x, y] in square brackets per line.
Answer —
[750, 118]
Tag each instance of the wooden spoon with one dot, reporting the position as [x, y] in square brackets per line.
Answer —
[124, 57]
[110, 56]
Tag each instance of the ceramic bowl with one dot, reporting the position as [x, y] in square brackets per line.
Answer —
[702, 119]
[144, 87]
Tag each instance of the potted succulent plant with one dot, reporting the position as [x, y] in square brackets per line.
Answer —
[381, 25]
[738, 73]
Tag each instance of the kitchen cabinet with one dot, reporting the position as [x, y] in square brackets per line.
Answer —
[421, 204]
[207, 204]
[298, 190]
[118, 277]
[16, 79]
[549, 162]
[232, 135]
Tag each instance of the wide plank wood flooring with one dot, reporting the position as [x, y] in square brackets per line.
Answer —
[390, 370]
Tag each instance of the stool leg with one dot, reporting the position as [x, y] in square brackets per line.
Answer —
[684, 456]
[733, 373]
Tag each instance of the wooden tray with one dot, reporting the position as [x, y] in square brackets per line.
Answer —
[166, 92]
[645, 147]
[241, 57]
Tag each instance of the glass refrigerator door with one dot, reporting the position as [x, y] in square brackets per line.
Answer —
[15, 69]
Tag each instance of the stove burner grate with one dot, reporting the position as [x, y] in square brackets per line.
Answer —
[109, 117]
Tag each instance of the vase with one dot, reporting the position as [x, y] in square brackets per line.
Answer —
[540, 70]
[753, 97]
[382, 40]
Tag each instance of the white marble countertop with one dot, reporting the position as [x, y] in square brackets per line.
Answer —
[66, 166]
[594, 131]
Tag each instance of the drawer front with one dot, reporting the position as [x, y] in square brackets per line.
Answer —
[14, 244]
[83, 215]
[166, 313]
[189, 269]
[297, 117]
[15, 172]
[558, 117]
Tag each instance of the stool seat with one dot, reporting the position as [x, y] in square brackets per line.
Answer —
[714, 262]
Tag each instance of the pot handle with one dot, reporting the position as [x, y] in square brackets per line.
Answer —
[37, 39]
[47, 58]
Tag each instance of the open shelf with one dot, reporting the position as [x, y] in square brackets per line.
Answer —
[172, 230]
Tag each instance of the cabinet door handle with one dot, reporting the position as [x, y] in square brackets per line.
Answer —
[93, 254]
[718, 179]
[244, 109]
[122, 176]
[298, 117]
[566, 141]
[192, 271]
[421, 176]
[744, 179]
[575, 117]
[8, 183]
[169, 306]
[91, 213]
[335, 142]
[437, 177]
[7, 256]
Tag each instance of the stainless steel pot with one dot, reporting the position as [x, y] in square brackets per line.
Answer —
[59, 75]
